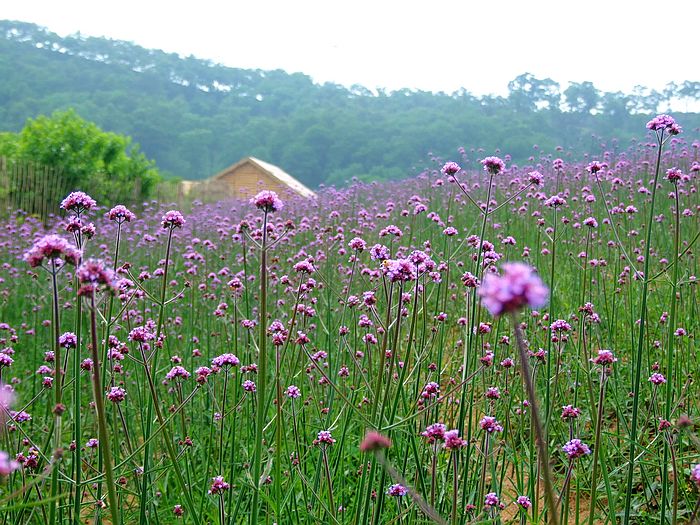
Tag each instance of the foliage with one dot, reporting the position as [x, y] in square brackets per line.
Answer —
[195, 117]
[107, 163]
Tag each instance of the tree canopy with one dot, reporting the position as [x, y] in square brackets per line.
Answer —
[195, 117]
[107, 163]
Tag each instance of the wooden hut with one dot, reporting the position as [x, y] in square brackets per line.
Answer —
[248, 176]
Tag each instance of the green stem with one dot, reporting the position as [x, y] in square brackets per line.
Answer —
[637, 368]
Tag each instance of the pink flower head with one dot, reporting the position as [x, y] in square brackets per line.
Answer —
[267, 201]
[657, 379]
[121, 213]
[293, 392]
[116, 394]
[225, 360]
[172, 219]
[493, 165]
[605, 357]
[357, 244]
[218, 485]
[453, 441]
[535, 177]
[324, 437]
[93, 275]
[450, 168]
[695, 474]
[68, 340]
[661, 123]
[435, 432]
[78, 202]
[249, 386]
[397, 491]
[52, 247]
[374, 441]
[524, 502]
[7, 465]
[674, 175]
[576, 449]
[570, 412]
[490, 424]
[594, 167]
[177, 372]
[491, 500]
[519, 286]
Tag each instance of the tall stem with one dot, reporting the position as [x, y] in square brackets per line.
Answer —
[98, 392]
[637, 369]
[596, 448]
[262, 390]
[537, 423]
[57, 394]
[670, 384]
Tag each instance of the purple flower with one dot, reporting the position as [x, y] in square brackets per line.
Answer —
[519, 286]
[225, 360]
[249, 386]
[397, 490]
[116, 394]
[267, 201]
[695, 474]
[68, 340]
[7, 465]
[657, 379]
[357, 244]
[121, 213]
[218, 485]
[662, 123]
[435, 432]
[374, 441]
[576, 449]
[94, 275]
[52, 247]
[293, 392]
[570, 412]
[490, 424]
[177, 372]
[450, 168]
[535, 177]
[172, 219]
[324, 437]
[524, 502]
[605, 357]
[491, 500]
[493, 165]
[78, 202]
[453, 441]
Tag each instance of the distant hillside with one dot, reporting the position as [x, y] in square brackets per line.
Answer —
[195, 117]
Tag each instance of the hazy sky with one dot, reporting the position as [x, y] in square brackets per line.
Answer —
[430, 44]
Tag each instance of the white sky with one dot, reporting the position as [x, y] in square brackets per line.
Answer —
[430, 44]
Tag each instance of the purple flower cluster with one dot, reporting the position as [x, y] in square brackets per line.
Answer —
[267, 200]
[78, 202]
[519, 286]
[576, 449]
[52, 247]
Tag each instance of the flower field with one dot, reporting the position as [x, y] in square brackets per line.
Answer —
[484, 343]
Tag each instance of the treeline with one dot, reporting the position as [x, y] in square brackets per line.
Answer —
[194, 117]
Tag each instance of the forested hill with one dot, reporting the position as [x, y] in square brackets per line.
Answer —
[195, 117]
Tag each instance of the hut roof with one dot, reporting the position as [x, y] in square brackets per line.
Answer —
[273, 171]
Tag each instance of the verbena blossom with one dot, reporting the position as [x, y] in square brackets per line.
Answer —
[324, 437]
[121, 213]
[225, 360]
[493, 165]
[172, 219]
[93, 275]
[519, 286]
[661, 123]
[576, 449]
[450, 168]
[490, 424]
[374, 441]
[397, 490]
[267, 201]
[605, 357]
[293, 392]
[218, 485]
[68, 340]
[78, 202]
[52, 247]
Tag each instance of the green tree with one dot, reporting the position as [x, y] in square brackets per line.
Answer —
[106, 165]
